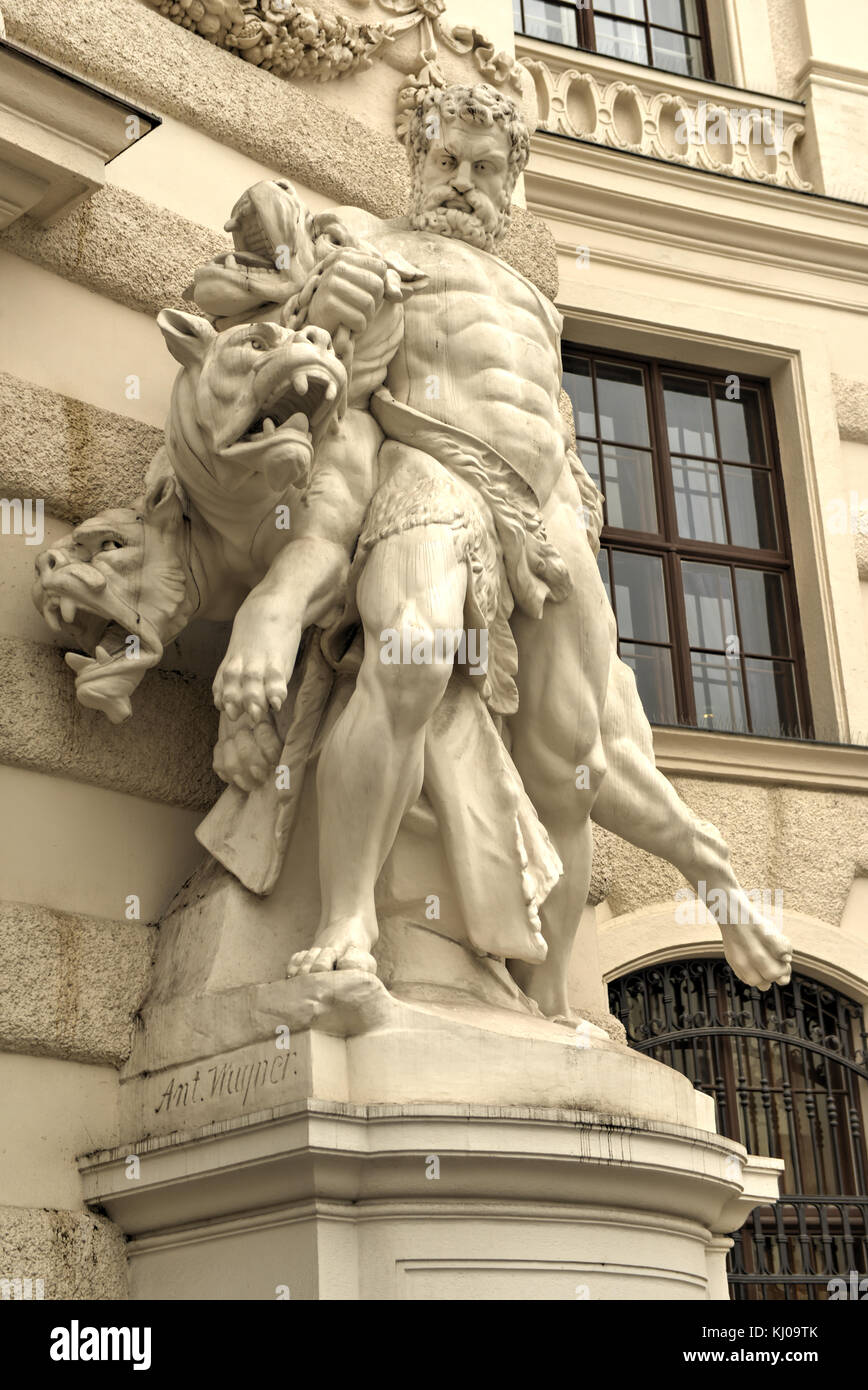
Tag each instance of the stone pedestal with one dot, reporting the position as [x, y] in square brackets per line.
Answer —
[342, 1143]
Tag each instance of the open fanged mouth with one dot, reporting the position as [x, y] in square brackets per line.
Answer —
[301, 405]
[77, 602]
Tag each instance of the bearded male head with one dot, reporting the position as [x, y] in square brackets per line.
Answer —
[468, 146]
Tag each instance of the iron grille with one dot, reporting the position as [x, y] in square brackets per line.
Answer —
[789, 1071]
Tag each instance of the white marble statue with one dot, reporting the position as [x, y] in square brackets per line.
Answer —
[367, 469]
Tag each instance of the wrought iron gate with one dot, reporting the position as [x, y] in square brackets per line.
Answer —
[789, 1072]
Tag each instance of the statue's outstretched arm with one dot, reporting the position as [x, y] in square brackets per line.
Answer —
[305, 582]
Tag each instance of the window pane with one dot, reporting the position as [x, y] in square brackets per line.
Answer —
[653, 669]
[751, 512]
[590, 456]
[698, 500]
[717, 688]
[577, 384]
[676, 53]
[762, 612]
[626, 9]
[740, 426]
[618, 39]
[709, 603]
[771, 687]
[640, 598]
[554, 23]
[629, 488]
[623, 407]
[688, 417]
[674, 14]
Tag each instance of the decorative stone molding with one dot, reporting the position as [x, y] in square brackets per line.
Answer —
[294, 41]
[284, 38]
[700, 126]
[57, 134]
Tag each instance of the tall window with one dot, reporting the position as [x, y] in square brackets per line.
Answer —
[667, 34]
[695, 551]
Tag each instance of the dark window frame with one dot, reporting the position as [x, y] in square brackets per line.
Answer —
[587, 38]
[672, 548]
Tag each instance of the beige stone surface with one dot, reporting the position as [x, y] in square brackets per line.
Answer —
[788, 43]
[851, 402]
[77, 1254]
[163, 753]
[85, 849]
[531, 248]
[70, 983]
[121, 246]
[76, 457]
[143, 255]
[50, 1112]
[116, 348]
[279, 124]
[136, 51]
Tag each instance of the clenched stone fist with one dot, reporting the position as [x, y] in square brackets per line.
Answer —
[351, 286]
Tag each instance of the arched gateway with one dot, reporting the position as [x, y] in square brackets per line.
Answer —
[789, 1072]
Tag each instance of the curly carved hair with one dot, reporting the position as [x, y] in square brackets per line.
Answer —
[480, 105]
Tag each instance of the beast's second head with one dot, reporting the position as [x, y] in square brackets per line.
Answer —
[259, 397]
[117, 588]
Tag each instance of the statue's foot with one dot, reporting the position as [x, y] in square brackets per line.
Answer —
[547, 989]
[758, 953]
[341, 946]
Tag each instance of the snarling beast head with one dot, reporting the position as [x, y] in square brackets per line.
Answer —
[118, 587]
[273, 235]
[254, 399]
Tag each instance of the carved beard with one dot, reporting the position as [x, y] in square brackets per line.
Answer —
[484, 227]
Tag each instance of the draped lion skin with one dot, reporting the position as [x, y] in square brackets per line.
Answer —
[441, 490]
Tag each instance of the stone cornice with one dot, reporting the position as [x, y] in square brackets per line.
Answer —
[770, 762]
[57, 133]
[821, 74]
[575, 181]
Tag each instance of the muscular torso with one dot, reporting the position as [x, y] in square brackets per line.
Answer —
[480, 350]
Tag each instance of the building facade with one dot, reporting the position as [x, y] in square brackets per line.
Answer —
[696, 204]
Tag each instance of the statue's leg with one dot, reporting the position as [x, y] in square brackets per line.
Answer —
[637, 802]
[563, 663]
[372, 765]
